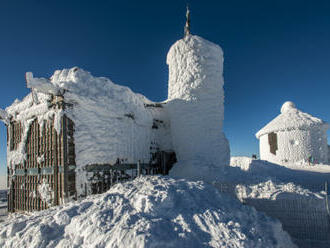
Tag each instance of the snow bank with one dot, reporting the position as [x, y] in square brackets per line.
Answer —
[195, 106]
[147, 212]
[274, 190]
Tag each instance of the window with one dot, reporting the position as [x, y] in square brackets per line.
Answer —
[272, 140]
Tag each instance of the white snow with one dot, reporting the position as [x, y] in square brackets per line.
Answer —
[4, 116]
[291, 118]
[147, 212]
[41, 84]
[195, 106]
[45, 191]
[299, 137]
[273, 191]
[110, 121]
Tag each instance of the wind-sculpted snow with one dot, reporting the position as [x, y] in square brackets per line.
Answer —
[147, 212]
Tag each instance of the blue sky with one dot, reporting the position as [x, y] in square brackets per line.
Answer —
[274, 51]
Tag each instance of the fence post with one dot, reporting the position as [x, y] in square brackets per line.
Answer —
[138, 168]
[326, 199]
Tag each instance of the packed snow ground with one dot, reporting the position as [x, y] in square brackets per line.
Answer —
[151, 211]
[245, 170]
[294, 194]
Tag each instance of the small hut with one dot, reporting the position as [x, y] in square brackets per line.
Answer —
[294, 137]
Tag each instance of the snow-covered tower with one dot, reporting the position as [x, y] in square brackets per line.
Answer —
[195, 107]
[294, 137]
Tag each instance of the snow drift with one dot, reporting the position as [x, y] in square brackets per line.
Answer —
[147, 212]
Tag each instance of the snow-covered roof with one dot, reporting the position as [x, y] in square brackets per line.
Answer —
[291, 118]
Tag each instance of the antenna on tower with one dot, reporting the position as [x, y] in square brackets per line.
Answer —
[187, 26]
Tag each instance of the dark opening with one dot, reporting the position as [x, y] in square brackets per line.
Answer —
[272, 140]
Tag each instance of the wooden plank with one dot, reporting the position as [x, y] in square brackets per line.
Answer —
[55, 167]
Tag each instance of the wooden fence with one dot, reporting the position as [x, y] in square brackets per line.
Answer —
[49, 157]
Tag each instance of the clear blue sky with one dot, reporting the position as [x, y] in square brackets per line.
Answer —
[274, 50]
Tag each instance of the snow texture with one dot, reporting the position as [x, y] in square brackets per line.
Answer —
[110, 121]
[46, 193]
[147, 212]
[195, 106]
[299, 136]
[4, 116]
[291, 118]
[273, 191]
[41, 84]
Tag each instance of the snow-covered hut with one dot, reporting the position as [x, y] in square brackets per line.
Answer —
[294, 137]
[64, 135]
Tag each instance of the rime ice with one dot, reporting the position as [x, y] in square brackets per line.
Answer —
[294, 137]
[195, 106]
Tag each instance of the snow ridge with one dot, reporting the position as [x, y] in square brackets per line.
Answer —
[150, 211]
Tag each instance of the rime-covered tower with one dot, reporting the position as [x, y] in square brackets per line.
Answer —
[195, 105]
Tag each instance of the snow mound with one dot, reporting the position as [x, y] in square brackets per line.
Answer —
[148, 212]
[287, 106]
[274, 190]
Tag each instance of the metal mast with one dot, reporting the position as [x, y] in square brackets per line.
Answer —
[187, 26]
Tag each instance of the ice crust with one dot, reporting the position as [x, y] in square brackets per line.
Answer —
[150, 211]
[195, 106]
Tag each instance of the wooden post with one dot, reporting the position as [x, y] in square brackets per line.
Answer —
[138, 169]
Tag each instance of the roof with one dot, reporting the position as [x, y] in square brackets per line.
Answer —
[291, 118]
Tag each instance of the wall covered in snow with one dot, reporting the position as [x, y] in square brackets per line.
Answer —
[195, 106]
[296, 146]
[110, 121]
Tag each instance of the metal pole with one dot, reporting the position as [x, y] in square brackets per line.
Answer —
[138, 168]
[327, 206]
[326, 199]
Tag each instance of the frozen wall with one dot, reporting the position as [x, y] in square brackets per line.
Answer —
[195, 106]
[111, 121]
[296, 146]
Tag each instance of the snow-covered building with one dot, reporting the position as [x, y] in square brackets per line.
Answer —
[66, 137]
[294, 137]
